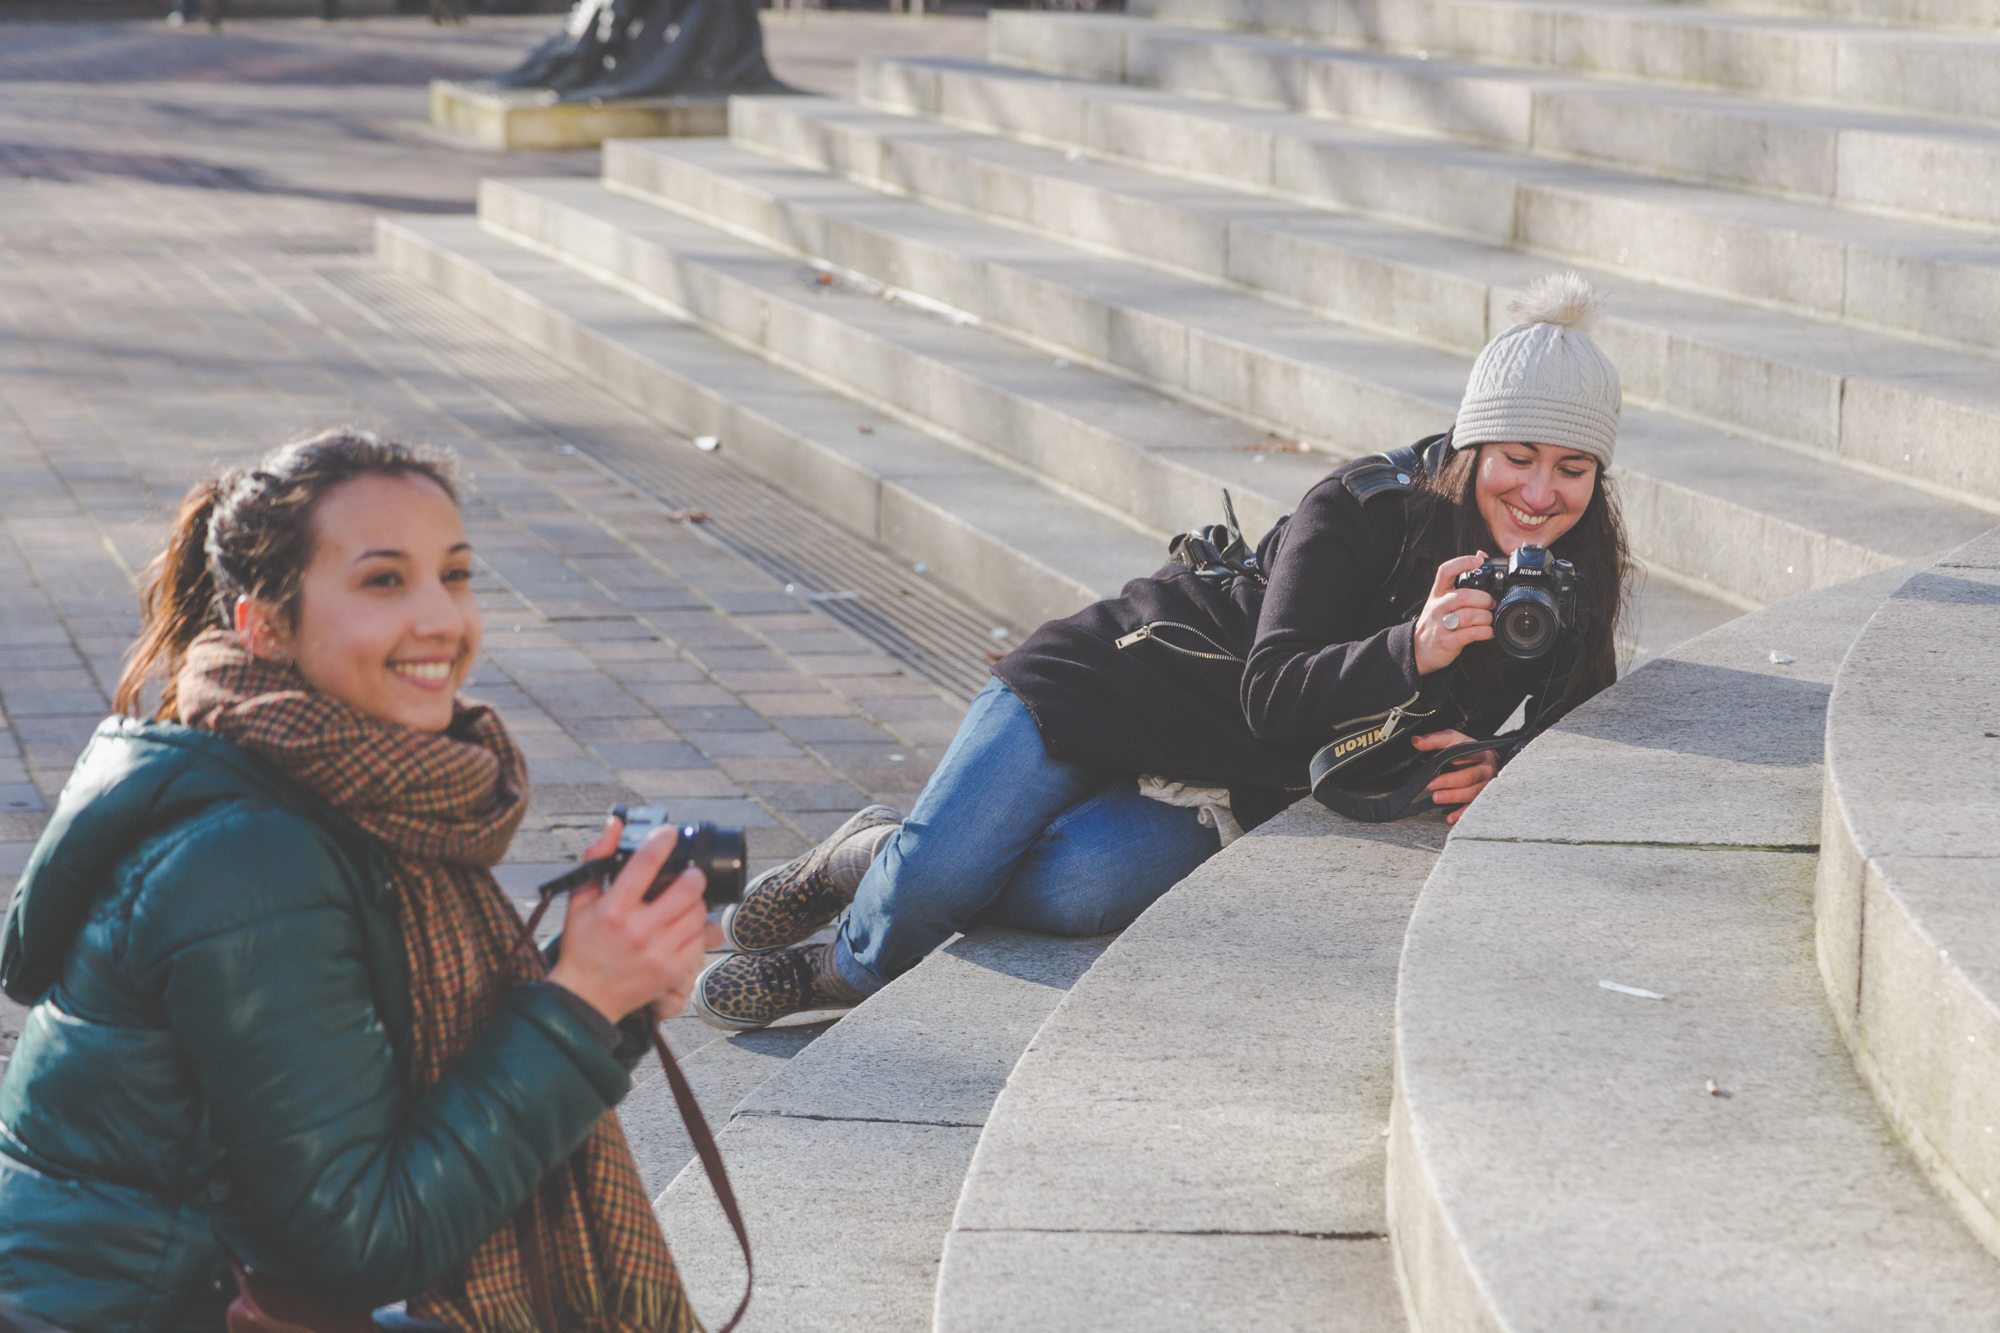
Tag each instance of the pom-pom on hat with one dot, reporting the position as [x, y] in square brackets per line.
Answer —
[1544, 381]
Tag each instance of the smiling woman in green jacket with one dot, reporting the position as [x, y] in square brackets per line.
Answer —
[281, 1017]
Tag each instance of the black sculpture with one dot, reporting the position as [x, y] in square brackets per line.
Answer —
[649, 48]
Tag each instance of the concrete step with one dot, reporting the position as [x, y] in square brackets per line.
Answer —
[1901, 275]
[1015, 548]
[1911, 412]
[1568, 1156]
[1923, 165]
[1915, 413]
[848, 1161]
[1000, 539]
[1907, 923]
[1104, 439]
[1847, 63]
[722, 1069]
[1195, 1138]
[1688, 488]
[1974, 14]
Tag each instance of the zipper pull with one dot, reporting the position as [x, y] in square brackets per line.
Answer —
[1139, 635]
[1389, 723]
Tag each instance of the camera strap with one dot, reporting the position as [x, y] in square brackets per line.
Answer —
[1412, 793]
[1378, 803]
[697, 1128]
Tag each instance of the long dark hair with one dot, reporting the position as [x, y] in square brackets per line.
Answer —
[1596, 545]
[248, 532]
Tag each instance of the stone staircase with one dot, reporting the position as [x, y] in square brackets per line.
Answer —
[1016, 321]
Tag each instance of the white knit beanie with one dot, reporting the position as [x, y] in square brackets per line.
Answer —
[1544, 381]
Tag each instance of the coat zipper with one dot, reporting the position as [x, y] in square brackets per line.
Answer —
[1145, 632]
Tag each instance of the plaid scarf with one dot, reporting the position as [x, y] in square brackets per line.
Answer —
[445, 806]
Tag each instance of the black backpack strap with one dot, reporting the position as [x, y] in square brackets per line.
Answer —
[1394, 470]
[1217, 551]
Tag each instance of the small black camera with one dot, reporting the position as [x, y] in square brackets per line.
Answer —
[1536, 596]
[715, 851]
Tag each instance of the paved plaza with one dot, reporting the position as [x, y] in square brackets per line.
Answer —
[186, 279]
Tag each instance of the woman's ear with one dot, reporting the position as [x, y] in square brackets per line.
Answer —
[256, 632]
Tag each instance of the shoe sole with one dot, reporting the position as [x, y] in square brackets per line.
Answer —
[711, 1016]
[729, 912]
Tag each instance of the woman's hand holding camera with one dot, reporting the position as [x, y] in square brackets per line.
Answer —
[1452, 618]
[621, 953]
[1467, 776]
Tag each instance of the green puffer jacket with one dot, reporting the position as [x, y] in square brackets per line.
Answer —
[211, 1066]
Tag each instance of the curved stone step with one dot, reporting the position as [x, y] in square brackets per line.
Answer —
[1000, 539]
[1939, 168]
[847, 1162]
[1566, 1155]
[1195, 1138]
[1899, 274]
[1908, 926]
[1809, 59]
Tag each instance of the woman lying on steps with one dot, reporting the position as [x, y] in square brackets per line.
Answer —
[282, 1014]
[1101, 765]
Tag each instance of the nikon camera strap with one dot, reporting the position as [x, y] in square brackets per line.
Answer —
[1378, 803]
[1380, 807]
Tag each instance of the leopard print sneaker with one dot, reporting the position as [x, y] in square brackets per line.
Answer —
[741, 992]
[783, 906]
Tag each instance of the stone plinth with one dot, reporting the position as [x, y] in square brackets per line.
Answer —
[533, 118]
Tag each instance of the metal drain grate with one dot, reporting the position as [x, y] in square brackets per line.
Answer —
[870, 592]
[933, 633]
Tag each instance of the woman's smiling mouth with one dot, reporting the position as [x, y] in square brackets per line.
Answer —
[1526, 520]
[424, 673]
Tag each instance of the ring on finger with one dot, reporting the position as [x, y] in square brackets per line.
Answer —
[1450, 620]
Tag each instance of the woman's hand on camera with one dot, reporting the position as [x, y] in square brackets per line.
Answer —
[1467, 776]
[621, 953]
[1439, 643]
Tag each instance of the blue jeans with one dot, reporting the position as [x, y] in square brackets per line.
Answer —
[1005, 835]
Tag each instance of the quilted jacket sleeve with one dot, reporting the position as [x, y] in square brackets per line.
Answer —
[249, 931]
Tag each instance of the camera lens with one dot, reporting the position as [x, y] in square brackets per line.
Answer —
[717, 852]
[720, 854]
[1526, 622]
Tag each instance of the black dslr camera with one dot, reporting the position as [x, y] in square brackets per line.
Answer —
[1537, 599]
[716, 852]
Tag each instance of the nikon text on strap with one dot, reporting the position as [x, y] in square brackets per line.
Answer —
[1411, 794]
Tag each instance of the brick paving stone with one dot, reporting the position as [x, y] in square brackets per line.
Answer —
[666, 784]
[849, 664]
[807, 797]
[185, 280]
[815, 704]
[623, 729]
[832, 729]
[702, 694]
[649, 754]
[711, 721]
[754, 768]
[720, 745]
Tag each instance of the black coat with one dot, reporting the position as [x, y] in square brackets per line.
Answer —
[1329, 640]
